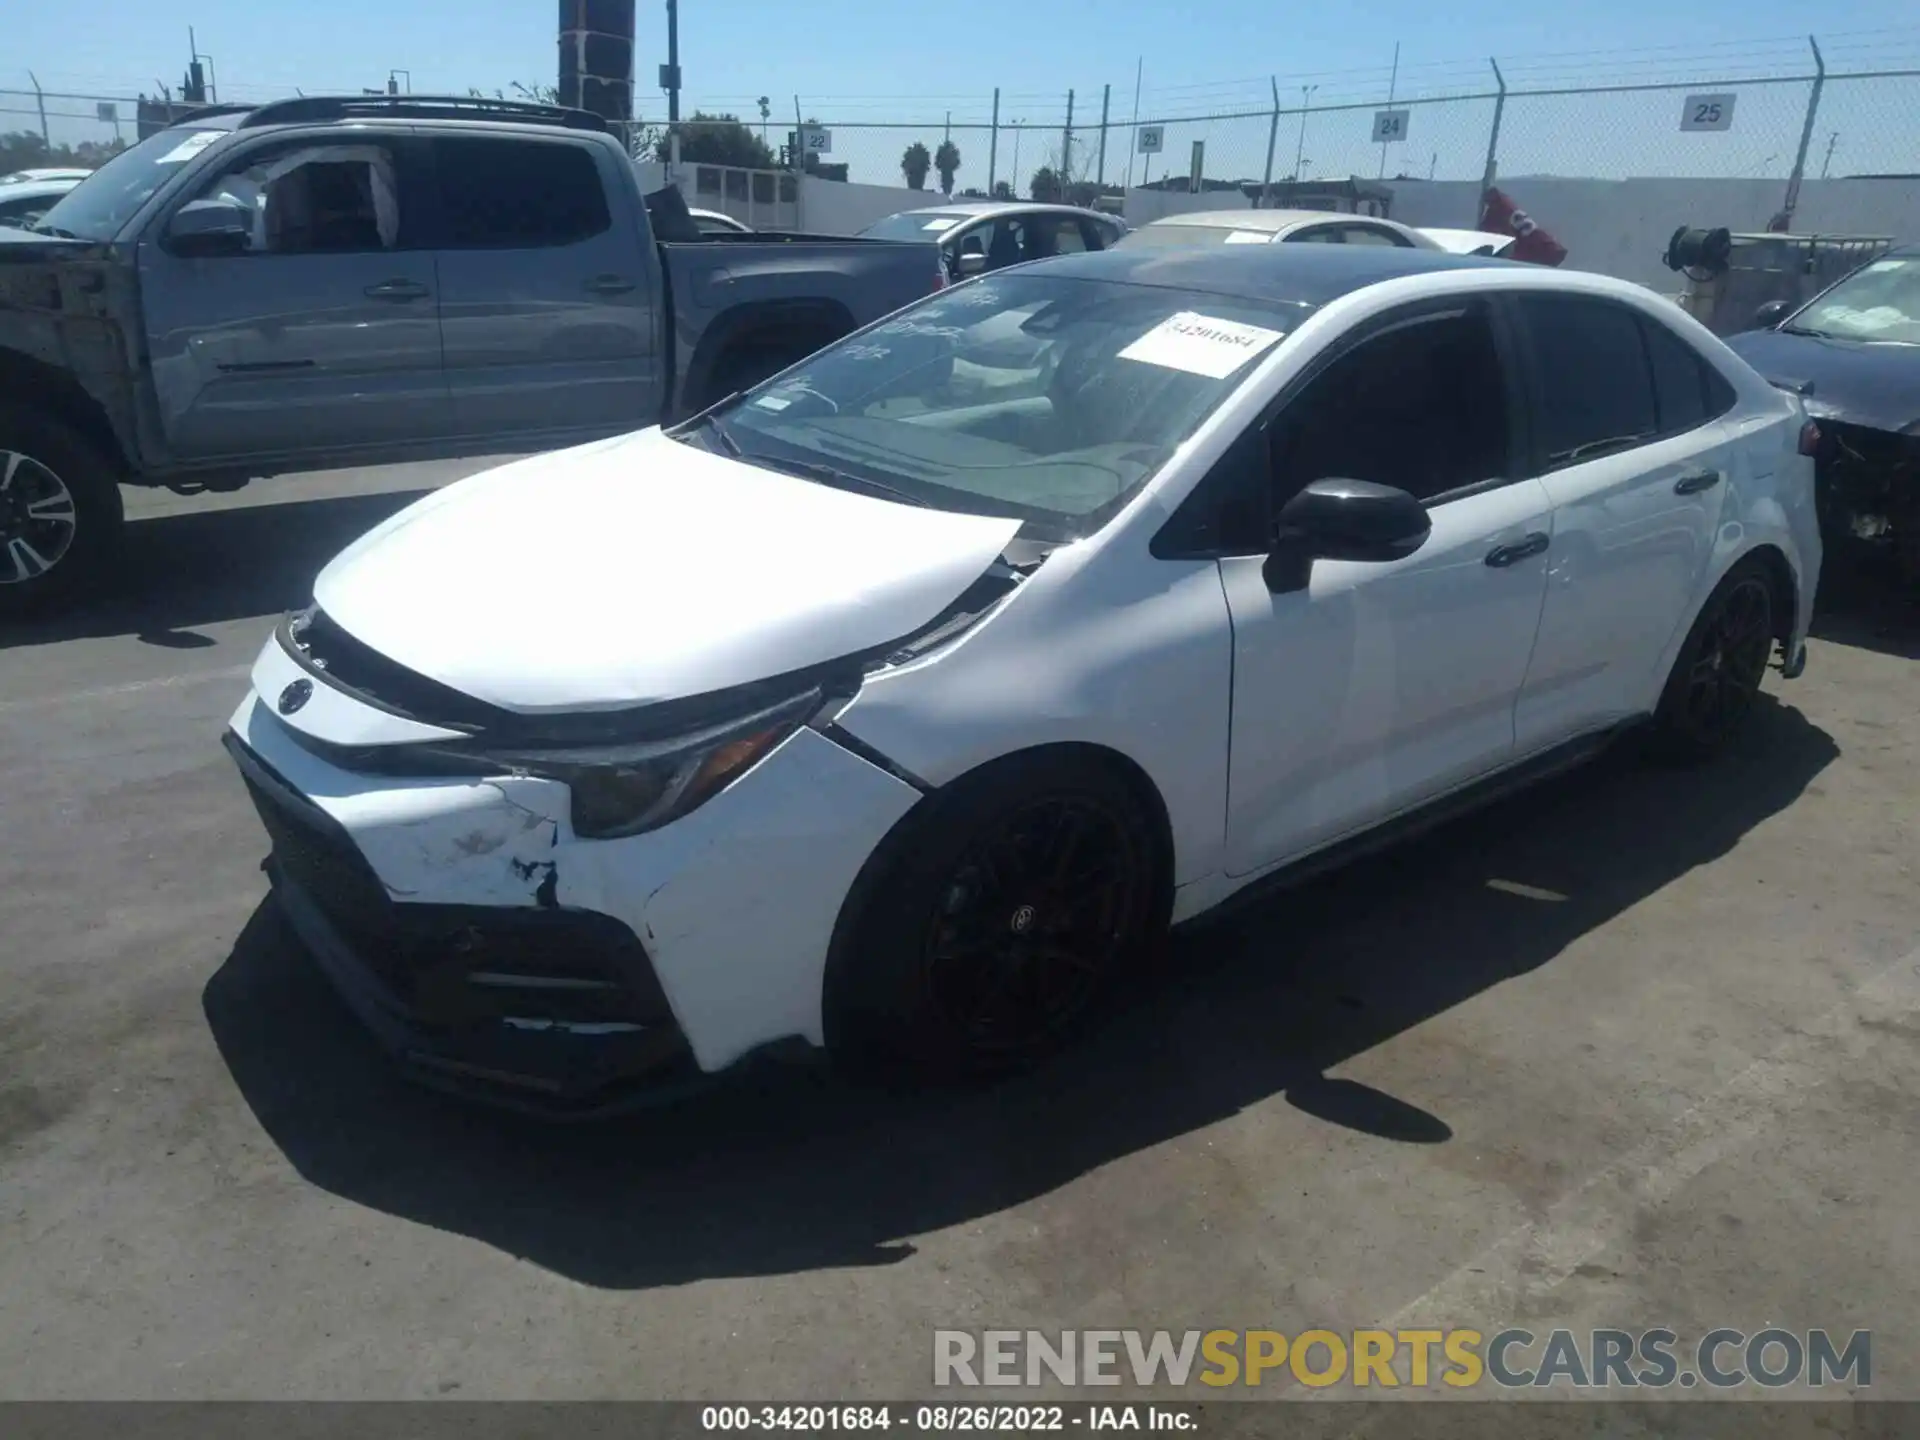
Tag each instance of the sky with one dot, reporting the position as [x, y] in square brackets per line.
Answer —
[856, 64]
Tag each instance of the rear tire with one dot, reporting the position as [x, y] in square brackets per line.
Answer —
[1716, 677]
[60, 514]
[992, 923]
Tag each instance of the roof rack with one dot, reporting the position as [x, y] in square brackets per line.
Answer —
[310, 108]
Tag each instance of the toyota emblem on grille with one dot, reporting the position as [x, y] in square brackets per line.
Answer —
[294, 696]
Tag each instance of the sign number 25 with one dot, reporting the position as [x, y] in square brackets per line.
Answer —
[1707, 112]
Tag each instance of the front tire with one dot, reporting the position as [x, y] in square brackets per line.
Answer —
[1716, 678]
[992, 924]
[60, 513]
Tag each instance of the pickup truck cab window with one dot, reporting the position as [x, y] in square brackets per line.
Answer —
[517, 193]
[303, 199]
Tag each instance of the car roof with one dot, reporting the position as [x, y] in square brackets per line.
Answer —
[37, 189]
[973, 209]
[1273, 221]
[1299, 274]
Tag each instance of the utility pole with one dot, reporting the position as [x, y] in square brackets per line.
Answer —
[993, 146]
[1139, 67]
[766, 109]
[1300, 150]
[41, 100]
[1392, 81]
[1066, 150]
[1106, 98]
[673, 66]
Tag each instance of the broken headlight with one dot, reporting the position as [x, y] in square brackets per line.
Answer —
[625, 789]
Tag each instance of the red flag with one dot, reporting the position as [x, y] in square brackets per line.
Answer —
[1500, 216]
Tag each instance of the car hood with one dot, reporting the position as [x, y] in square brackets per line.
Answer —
[21, 247]
[1854, 381]
[643, 569]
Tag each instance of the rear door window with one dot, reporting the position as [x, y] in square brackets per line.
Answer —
[498, 194]
[1595, 392]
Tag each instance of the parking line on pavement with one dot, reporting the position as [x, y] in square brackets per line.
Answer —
[1509, 1277]
[76, 697]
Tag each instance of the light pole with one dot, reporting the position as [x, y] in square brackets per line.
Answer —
[766, 109]
[1300, 150]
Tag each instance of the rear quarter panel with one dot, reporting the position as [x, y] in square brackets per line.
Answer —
[866, 279]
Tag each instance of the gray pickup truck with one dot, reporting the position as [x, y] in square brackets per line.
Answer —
[324, 282]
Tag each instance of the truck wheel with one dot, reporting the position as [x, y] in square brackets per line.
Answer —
[60, 513]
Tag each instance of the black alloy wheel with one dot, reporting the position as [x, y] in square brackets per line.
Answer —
[989, 925]
[1716, 679]
[1031, 920]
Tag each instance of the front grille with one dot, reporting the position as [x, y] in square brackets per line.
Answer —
[452, 967]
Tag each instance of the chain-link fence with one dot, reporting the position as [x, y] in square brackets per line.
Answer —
[1860, 122]
[1726, 128]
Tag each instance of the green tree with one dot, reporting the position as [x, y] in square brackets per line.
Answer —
[1045, 185]
[25, 150]
[1002, 190]
[915, 162]
[718, 140]
[947, 161]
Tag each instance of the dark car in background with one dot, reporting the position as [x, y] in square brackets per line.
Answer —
[1852, 353]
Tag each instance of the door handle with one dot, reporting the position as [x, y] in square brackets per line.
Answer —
[1502, 556]
[610, 285]
[397, 290]
[1695, 483]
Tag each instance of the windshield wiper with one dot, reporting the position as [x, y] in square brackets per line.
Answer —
[711, 423]
[1809, 330]
[840, 479]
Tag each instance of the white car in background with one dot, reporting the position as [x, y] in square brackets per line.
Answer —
[718, 222]
[25, 201]
[892, 718]
[1470, 242]
[1271, 227]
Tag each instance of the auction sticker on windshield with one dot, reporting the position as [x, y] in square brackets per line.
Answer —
[189, 147]
[1201, 344]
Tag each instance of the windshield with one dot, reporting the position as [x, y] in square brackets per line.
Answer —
[913, 225]
[1040, 397]
[100, 205]
[1880, 302]
[1168, 237]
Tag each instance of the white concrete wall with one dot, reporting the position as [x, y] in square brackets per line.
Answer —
[834, 207]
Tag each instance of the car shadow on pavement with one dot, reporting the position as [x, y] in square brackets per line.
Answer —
[179, 571]
[793, 1169]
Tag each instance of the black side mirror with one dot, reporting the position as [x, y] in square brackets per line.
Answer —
[1336, 519]
[1771, 314]
[210, 227]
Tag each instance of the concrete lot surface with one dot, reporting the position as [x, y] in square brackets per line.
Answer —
[1639, 1048]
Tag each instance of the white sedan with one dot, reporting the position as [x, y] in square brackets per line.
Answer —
[882, 712]
[1274, 227]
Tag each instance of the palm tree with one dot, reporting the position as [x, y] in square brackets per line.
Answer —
[947, 161]
[914, 164]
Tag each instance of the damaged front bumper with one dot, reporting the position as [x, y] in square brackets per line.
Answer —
[1869, 489]
[548, 1010]
[496, 953]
